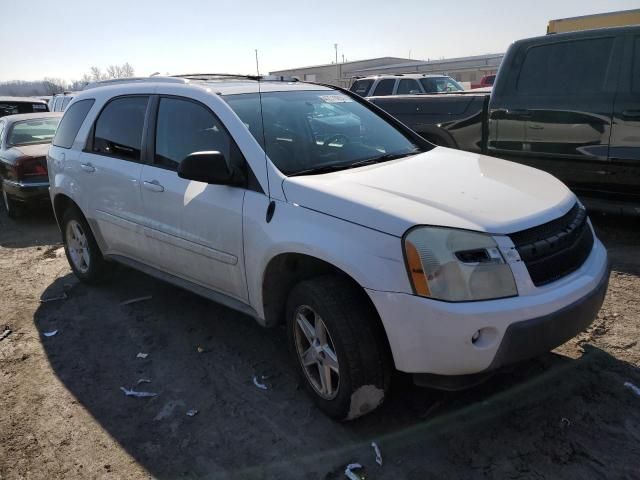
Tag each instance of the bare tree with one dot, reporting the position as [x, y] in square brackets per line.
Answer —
[54, 85]
[127, 70]
[97, 75]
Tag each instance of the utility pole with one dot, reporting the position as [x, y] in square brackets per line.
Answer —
[257, 65]
[335, 45]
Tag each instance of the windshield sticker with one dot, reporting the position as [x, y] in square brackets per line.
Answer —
[336, 98]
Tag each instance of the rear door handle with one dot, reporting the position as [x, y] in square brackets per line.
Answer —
[153, 186]
[87, 167]
[631, 114]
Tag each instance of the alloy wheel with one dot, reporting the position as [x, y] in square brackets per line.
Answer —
[316, 352]
[78, 246]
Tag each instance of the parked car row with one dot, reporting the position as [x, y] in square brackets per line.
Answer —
[568, 104]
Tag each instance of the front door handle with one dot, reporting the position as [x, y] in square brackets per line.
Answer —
[153, 186]
[87, 167]
[631, 114]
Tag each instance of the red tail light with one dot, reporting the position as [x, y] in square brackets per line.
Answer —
[27, 167]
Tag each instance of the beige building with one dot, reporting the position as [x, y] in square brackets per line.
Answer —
[465, 69]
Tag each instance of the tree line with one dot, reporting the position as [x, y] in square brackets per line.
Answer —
[51, 86]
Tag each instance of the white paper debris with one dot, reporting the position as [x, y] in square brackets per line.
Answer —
[5, 334]
[259, 384]
[54, 299]
[136, 300]
[143, 380]
[633, 388]
[142, 355]
[348, 471]
[133, 393]
[378, 454]
[51, 333]
[192, 413]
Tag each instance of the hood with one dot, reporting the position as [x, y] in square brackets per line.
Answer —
[443, 187]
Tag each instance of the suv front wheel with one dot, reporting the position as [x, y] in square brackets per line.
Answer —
[337, 347]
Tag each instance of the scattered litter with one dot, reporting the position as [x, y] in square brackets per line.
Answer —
[192, 413]
[565, 422]
[349, 473]
[51, 333]
[5, 334]
[54, 299]
[259, 384]
[378, 454]
[202, 349]
[633, 388]
[143, 380]
[136, 300]
[133, 393]
[142, 355]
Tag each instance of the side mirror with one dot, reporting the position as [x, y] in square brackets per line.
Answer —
[208, 167]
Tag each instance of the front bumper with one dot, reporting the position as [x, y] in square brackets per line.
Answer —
[435, 337]
[27, 191]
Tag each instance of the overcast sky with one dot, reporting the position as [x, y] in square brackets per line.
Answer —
[64, 39]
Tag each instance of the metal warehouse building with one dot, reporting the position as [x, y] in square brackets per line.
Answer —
[464, 69]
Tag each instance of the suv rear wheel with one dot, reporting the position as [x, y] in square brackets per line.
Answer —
[337, 347]
[83, 253]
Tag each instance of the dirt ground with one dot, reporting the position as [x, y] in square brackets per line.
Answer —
[63, 415]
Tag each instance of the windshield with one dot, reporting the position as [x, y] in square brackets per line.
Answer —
[305, 131]
[440, 84]
[30, 132]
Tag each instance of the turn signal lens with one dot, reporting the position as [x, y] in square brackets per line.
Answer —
[418, 278]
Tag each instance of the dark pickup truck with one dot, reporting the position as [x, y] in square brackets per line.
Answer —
[565, 103]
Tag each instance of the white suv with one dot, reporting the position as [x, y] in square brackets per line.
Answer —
[404, 84]
[305, 204]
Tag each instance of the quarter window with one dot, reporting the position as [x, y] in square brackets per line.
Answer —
[567, 68]
[407, 86]
[118, 130]
[184, 127]
[71, 123]
[384, 87]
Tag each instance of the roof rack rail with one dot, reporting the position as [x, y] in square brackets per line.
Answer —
[118, 81]
[218, 76]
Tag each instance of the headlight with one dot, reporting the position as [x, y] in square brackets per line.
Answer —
[457, 265]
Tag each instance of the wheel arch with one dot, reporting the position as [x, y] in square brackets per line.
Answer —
[285, 270]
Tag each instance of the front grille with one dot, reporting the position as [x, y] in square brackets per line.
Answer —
[557, 248]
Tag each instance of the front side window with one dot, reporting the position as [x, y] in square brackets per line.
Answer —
[314, 131]
[118, 130]
[407, 86]
[440, 85]
[384, 87]
[361, 87]
[185, 127]
[31, 132]
[566, 68]
[71, 123]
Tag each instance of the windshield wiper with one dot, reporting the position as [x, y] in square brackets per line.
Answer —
[333, 167]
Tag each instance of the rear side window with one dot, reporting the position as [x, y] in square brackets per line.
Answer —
[184, 127]
[71, 123]
[384, 87]
[57, 104]
[635, 79]
[407, 86]
[118, 130]
[65, 102]
[568, 68]
[361, 87]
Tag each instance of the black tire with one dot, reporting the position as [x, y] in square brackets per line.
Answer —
[14, 209]
[97, 269]
[362, 354]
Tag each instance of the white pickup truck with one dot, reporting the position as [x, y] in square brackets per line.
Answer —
[305, 204]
